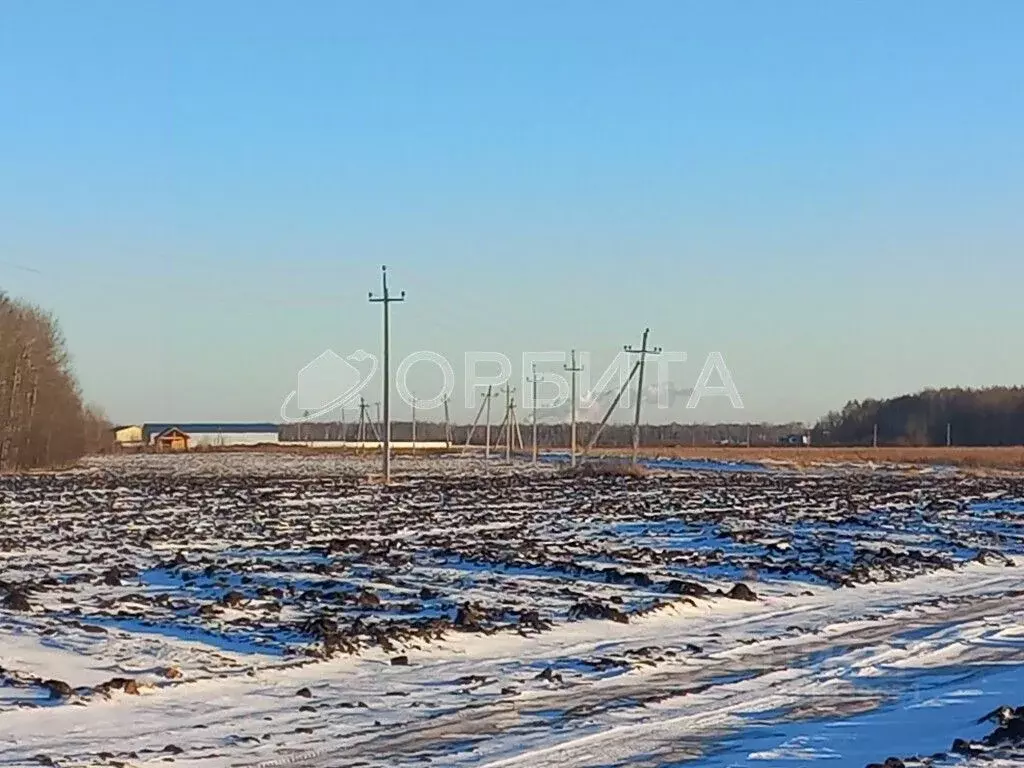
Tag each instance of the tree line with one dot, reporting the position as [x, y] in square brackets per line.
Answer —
[558, 434]
[989, 416]
[43, 421]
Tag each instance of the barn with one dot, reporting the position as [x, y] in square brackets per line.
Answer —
[212, 435]
[128, 436]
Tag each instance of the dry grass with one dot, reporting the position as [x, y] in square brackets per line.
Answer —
[599, 468]
[981, 458]
[1009, 457]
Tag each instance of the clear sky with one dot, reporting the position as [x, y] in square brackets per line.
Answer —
[830, 194]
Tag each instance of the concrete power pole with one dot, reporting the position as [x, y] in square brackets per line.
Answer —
[386, 299]
[534, 381]
[573, 369]
[643, 352]
[611, 409]
[487, 424]
[414, 423]
[472, 429]
[515, 423]
[508, 422]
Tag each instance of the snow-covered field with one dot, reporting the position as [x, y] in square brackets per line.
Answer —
[265, 609]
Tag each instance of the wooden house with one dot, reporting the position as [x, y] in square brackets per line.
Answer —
[171, 439]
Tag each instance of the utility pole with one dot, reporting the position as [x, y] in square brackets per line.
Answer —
[573, 369]
[364, 420]
[534, 380]
[874, 436]
[509, 411]
[519, 432]
[414, 423]
[487, 424]
[386, 299]
[377, 425]
[447, 424]
[611, 409]
[643, 352]
[476, 421]
[949, 434]
[374, 425]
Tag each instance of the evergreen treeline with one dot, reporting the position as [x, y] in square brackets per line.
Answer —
[989, 416]
[614, 435]
[43, 422]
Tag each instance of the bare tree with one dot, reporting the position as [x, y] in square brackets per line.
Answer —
[43, 421]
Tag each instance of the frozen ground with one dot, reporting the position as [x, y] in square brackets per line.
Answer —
[247, 609]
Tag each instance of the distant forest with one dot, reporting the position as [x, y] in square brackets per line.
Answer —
[990, 416]
[43, 422]
[614, 435]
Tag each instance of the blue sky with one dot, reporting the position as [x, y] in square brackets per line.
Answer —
[829, 194]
